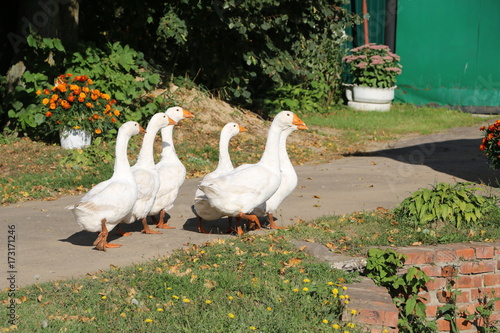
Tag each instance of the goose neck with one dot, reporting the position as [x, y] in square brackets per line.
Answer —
[271, 150]
[122, 164]
[167, 140]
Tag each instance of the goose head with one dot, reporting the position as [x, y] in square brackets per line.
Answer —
[177, 113]
[233, 128]
[161, 120]
[286, 119]
[131, 128]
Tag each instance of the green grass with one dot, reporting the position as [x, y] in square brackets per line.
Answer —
[400, 120]
[247, 284]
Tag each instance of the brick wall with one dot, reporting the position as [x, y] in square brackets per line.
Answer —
[472, 268]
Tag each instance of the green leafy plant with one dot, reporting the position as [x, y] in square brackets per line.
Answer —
[481, 318]
[373, 65]
[444, 202]
[382, 267]
[489, 144]
[450, 311]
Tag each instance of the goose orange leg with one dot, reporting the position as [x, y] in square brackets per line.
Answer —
[161, 224]
[200, 226]
[146, 229]
[252, 218]
[101, 243]
[272, 225]
[119, 232]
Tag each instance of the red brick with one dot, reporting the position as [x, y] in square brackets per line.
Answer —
[416, 257]
[443, 325]
[431, 310]
[436, 283]
[425, 297]
[444, 296]
[491, 279]
[485, 252]
[463, 324]
[446, 256]
[370, 317]
[476, 267]
[448, 271]
[469, 281]
[432, 270]
[466, 254]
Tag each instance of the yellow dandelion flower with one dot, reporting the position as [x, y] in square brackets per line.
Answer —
[306, 280]
[149, 320]
[203, 251]
[159, 310]
[341, 296]
[353, 312]
[230, 315]
[176, 297]
[351, 325]
[268, 308]
[344, 287]
[305, 289]
[346, 302]
[253, 328]
[140, 268]
[76, 127]
[325, 321]
[123, 315]
[335, 326]
[335, 291]
[330, 283]
[230, 298]
[186, 300]
[150, 296]
[296, 290]
[104, 297]
[208, 301]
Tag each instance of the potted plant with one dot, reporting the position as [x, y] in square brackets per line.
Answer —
[490, 144]
[374, 69]
[75, 108]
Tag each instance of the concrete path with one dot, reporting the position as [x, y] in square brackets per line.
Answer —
[49, 245]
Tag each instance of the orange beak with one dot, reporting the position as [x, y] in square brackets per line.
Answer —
[187, 114]
[298, 122]
[171, 121]
[141, 129]
[242, 129]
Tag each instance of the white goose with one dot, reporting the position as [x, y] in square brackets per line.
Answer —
[202, 206]
[248, 186]
[110, 202]
[288, 184]
[145, 174]
[170, 169]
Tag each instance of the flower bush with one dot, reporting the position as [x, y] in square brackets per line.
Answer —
[373, 65]
[490, 144]
[74, 102]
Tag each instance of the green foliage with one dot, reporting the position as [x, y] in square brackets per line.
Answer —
[481, 318]
[382, 267]
[272, 44]
[444, 202]
[115, 68]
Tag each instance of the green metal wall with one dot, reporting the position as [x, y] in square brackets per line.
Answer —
[449, 50]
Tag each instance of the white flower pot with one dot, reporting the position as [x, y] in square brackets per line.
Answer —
[74, 138]
[372, 95]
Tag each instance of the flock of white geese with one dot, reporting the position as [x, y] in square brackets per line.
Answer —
[147, 189]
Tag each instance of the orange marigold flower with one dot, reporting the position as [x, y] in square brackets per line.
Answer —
[107, 108]
[65, 104]
[89, 81]
[76, 127]
[94, 96]
[88, 104]
[62, 87]
[113, 120]
[113, 101]
[38, 92]
[105, 96]
[45, 101]
[71, 97]
[54, 98]
[46, 91]
[116, 112]
[52, 106]
[98, 131]
[82, 95]
[95, 116]
[86, 89]
[482, 128]
[74, 87]
[69, 75]
[48, 114]
[78, 78]
[81, 100]
[482, 147]
[96, 92]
